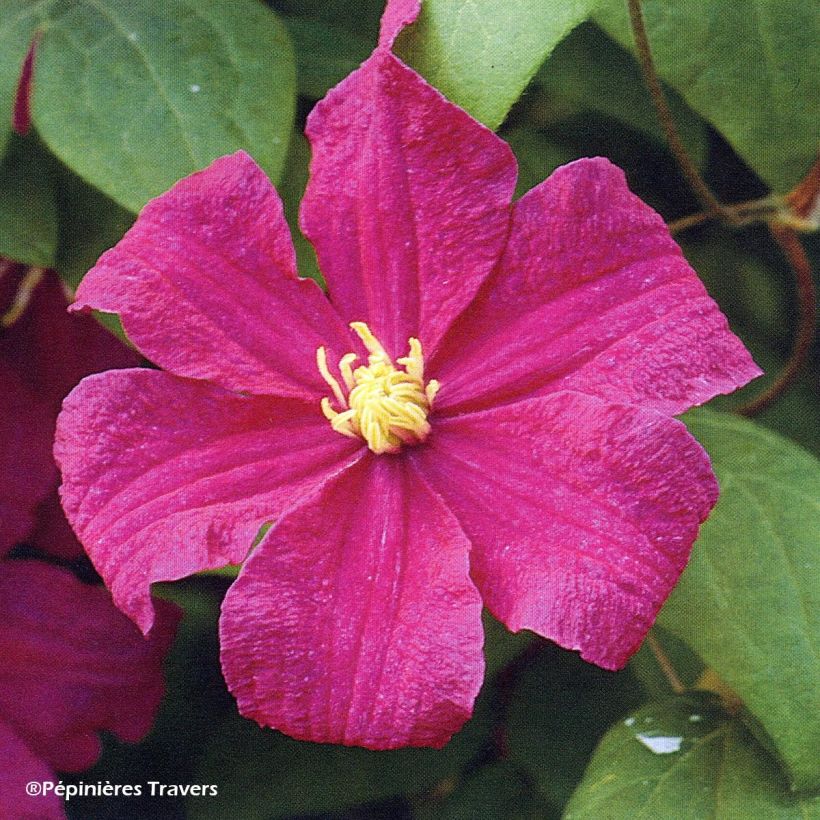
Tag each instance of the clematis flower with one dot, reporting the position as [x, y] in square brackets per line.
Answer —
[480, 410]
[44, 352]
[72, 666]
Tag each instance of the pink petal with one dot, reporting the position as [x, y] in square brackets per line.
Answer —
[163, 476]
[73, 665]
[355, 621]
[205, 284]
[26, 468]
[20, 767]
[592, 294]
[43, 355]
[53, 534]
[407, 204]
[581, 514]
[397, 15]
[52, 350]
[21, 114]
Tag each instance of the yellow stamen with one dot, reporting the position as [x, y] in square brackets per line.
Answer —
[385, 405]
[321, 363]
[413, 363]
[373, 345]
[347, 371]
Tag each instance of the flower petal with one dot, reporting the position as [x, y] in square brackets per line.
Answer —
[397, 15]
[26, 468]
[21, 767]
[355, 621]
[53, 534]
[581, 514]
[205, 284]
[43, 354]
[163, 476]
[592, 294]
[52, 350]
[21, 112]
[73, 665]
[407, 204]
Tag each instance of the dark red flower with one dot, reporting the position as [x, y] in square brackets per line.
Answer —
[44, 352]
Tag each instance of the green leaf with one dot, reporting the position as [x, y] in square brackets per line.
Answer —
[705, 765]
[90, 223]
[481, 53]
[325, 54]
[362, 16]
[133, 95]
[499, 791]
[196, 693]
[500, 645]
[749, 280]
[263, 774]
[538, 156]
[589, 72]
[751, 69]
[749, 601]
[28, 215]
[18, 22]
[797, 412]
[292, 189]
[558, 710]
[644, 665]
[747, 275]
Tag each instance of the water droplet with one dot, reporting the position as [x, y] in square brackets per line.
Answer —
[660, 745]
[695, 718]
[630, 721]
[195, 89]
[133, 36]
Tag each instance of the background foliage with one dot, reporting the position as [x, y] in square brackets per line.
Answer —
[130, 95]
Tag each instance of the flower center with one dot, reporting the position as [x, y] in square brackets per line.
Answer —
[385, 405]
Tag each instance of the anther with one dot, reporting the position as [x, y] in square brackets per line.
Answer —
[385, 405]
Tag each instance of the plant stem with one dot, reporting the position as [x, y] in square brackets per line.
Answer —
[743, 213]
[665, 664]
[22, 298]
[690, 172]
[802, 199]
[807, 305]
[686, 222]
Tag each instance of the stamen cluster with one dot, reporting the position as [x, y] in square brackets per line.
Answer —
[385, 405]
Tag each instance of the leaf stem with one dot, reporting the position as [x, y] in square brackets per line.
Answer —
[743, 213]
[22, 297]
[665, 664]
[793, 249]
[690, 172]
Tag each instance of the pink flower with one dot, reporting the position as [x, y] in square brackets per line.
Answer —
[44, 352]
[72, 666]
[498, 427]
